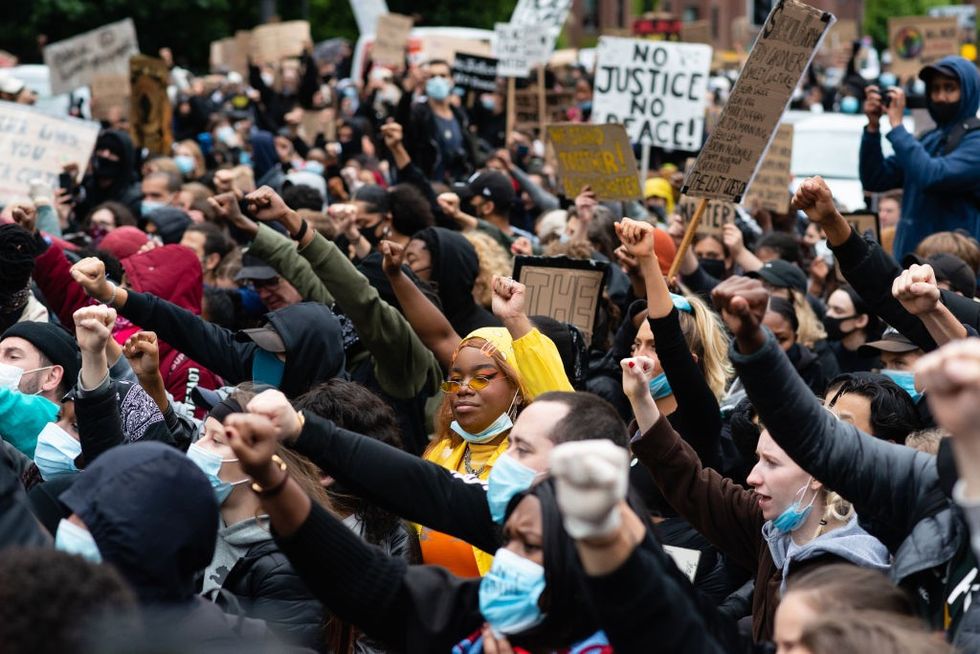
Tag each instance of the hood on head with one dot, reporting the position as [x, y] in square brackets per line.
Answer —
[314, 345]
[153, 516]
[171, 272]
[119, 143]
[170, 223]
[969, 79]
[264, 155]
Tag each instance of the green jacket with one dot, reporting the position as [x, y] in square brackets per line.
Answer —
[403, 366]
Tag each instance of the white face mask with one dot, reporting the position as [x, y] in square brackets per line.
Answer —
[10, 375]
[56, 452]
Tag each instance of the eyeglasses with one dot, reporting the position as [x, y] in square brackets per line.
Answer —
[453, 386]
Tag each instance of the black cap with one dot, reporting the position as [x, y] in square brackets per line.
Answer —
[255, 268]
[265, 337]
[495, 187]
[943, 69]
[781, 274]
[891, 341]
[54, 343]
[948, 268]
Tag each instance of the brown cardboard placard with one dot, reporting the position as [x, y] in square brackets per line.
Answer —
[862, 222]
[274, 41]
[596, 155]
[718, 214]
[915, 41]
[568, 290]
[110, 93]
[781, 54]
[391, 39]
[150, 112]
[526, 107]
[37, 145]
[697, 31]
[105, 50]
[770, 187]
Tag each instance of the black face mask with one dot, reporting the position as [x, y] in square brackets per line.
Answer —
[714, 267]
[370, 234]
[105, 167]
[833, 327]
[944, 112]
[659, 212]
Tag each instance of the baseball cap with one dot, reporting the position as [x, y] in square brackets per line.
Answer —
[943, 69]
[265, 337]
[948, 268]
[891, 341]
[255, 268]
[495, 187]
[781, 274]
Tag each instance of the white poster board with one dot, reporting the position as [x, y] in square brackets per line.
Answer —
[518, 48]
[74, 62]
[550, 14]
[656, 89]
[366, 13]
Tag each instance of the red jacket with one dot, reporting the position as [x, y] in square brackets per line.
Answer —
[171, 272]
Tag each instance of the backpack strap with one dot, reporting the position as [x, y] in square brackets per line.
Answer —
[958, 131]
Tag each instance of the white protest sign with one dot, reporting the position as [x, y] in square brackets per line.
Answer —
[550, 14]
[656, 89]
[966, 15]
[36, 145]
[106, 50]
[366, 13]
[685, 558]
[781, 54]
[519, 47]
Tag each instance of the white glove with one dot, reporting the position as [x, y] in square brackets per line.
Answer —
[591, 479]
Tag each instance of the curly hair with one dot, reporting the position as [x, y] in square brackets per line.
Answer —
[493, 259]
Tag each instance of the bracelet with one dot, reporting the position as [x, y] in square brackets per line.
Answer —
[298, 236]
[112, 298]
[278, 486]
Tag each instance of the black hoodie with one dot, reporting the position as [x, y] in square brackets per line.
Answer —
[309, 330]
[455, 267]
[125, 188]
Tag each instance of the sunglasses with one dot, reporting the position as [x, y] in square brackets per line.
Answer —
[453, 386]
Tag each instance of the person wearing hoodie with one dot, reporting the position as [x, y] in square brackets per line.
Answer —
[300, 345]
[782, 321]
[941, 186]
[265, 161]
[113, 175]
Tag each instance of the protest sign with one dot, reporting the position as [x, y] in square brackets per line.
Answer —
[274, 41]
[568, 290]
[863, 223]
[390, 40]
[445, 48]
[685, 558]
[697, 31]
[366, 13]
[110, 94]
[150, 112]
[36, 145]
[717, 214]
[966, 16]
[105, 50]
[915, 41]
[770, 188]
[596, 155]
[781, 54]
[231, 53]
[655, 89]
[518, 48]
[527, 108]
[475, 73]
[549, 14]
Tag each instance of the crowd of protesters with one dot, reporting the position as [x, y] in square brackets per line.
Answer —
[276, 390]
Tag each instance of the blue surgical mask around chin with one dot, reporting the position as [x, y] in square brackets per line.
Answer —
[509, 593]
[73, 539]
[795, 514]
[849, 105]
[185, 163]
[210, 465]
[267, 368]
[438, 88]
[906, 380]
[508, 477]
[502, 424]
[56, 452]
[660, 387]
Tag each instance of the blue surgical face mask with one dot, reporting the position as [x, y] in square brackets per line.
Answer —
[314, 167]
[488, 103]
[502, 424]
[56, 452]
[508, 477]
[660, 387]
[244, 158]
[849, 105]
[509, 593]
[904, 379]
[149, 206]
[886, 80]
[73, 539]
[795, 514]
[210, 465]
[226, 134]
[438, 88]
[267, 368]
[185, 163]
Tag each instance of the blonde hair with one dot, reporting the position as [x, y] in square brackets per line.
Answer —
[836, 509]
[199, 166]
[493, 259]
[705, 336]
[926, 440]
[811, 329]
[960, 245]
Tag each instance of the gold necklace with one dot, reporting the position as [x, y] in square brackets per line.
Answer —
[467, 454]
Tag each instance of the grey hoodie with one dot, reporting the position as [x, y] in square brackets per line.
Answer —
[232, 544]
[850, 543]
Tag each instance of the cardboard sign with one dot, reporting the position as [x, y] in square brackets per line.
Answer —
[445, 47]
[231, 53]
[527, 108]
[656, 89]
[150, 112]
[568, 290]
[686, 559]
[274, 41]
[550, 14]
[518, 48]
[863, 223]
[36, 145]
[735, 148]
[915, 41]
[475, 73]
[770, 188]
[697, 31]
[391, 39]
[366, 13]
[106, 50]
[597, 155]
[717, 214]
[315, 122]
[110, 95]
